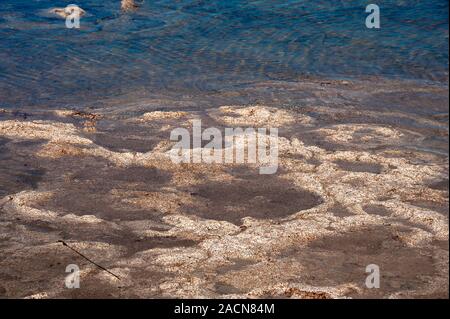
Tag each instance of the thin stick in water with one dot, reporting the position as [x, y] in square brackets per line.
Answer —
[92, 262]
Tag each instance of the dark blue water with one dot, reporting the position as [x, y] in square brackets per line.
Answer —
[191, 46]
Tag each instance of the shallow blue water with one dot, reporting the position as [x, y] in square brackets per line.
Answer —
[201, 46]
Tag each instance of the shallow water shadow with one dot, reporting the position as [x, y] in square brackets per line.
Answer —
[250, 195]
[361, 167]
[343, 258]
[339, 210]
[377, 210]
[100, 191]
[121, 144]
[17, 171]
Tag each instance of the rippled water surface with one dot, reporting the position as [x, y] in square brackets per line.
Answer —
[190, 46]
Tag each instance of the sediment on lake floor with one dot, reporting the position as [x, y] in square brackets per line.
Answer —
[356, 185]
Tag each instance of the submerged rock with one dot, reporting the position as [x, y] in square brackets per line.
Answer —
[128, 5]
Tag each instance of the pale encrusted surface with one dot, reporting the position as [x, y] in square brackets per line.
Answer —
[347, 194]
